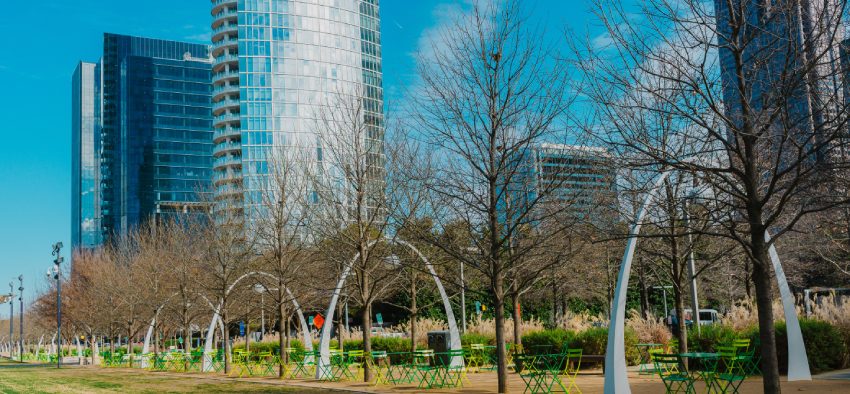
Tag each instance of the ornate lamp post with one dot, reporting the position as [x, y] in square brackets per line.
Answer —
[57, 250]
[21, 299]
[11, 320]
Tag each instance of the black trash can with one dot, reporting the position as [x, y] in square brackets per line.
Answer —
[440, 342]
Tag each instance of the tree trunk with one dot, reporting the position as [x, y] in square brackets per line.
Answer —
[680, 312]
[366, 316]
[644, 295]
[129, 340]
[501, 356]
[517, 315]
[187, 332]
[414, 312]
[764, 303]
[93, 346]
[281, 340]
[225, 336]
[339, 327]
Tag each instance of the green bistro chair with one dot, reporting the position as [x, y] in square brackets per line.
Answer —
[673, 373]
[727, 372]
[730, 359]
[354, 359]
[455, 375]
[265, 363]
[752, 361]
[572, 365]
[428, 373]
[379, 362]
[475, 357]
[672, 346]
[540, 373]
[529, 373]
[300, 364]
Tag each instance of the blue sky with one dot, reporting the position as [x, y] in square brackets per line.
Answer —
[43, 41]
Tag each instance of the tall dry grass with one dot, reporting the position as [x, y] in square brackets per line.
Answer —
[487, 327]
[580, 321]
[423, 325]
[836, 311]
[648, 329]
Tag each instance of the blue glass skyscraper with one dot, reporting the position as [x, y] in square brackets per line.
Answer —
[789, 57]
[85, 149]
[154, 131]
[276, 63]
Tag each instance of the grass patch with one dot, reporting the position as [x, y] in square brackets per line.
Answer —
[98, 380]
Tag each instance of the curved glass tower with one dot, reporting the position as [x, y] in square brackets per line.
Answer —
[276, 63]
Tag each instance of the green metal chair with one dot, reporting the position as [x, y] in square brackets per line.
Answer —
[727, 372]
[572, 365]
[379, 361]
[673, 373]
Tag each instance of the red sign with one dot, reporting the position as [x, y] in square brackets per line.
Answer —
[319, 320]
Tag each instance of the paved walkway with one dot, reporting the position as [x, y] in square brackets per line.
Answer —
[835, 375]
[588, 383]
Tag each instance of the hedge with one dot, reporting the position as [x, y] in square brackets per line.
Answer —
[591, 341]
[272, 347]
[825, 345]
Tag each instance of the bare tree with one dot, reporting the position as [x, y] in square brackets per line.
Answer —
[228, 256]
[281, 230]
[490, 92]
[749, 86]
[350, 198]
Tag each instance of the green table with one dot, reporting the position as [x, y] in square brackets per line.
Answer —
[541, 373]
[700, 366]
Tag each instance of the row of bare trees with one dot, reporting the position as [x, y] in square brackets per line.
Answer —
[460, 175]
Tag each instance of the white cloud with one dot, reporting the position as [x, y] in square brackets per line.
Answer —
[205, 38]
[445, 16]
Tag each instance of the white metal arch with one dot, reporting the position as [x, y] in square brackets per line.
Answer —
[305, 329]
[616, 377]
[325, 338]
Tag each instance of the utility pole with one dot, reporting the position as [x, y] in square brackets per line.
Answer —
[57, 273]
[21, 299]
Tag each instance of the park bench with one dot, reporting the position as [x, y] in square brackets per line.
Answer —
[594, 359]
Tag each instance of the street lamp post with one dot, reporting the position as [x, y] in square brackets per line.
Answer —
[462, 298]
[21, 299]
[664, 296]
[57, 250]
[262, 290]
[11, 320]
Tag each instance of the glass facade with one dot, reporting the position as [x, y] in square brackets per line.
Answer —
[85, 146]
[580, 179]
[772, 37]
[156, 131]
[276, 63]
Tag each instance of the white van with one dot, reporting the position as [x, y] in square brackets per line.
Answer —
[707, 317]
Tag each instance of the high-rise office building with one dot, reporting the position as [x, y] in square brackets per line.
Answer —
[791, 59]
[277, 62]
[559, 178]
[85, 156]
[152, 132]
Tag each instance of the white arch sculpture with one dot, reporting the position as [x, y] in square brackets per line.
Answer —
[305, 330]
[616, 377]
[325, 338]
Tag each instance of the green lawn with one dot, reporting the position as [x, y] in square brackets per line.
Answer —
[30, 379]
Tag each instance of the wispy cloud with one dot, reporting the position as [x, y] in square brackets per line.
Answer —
[445, 15]
[200, 37]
